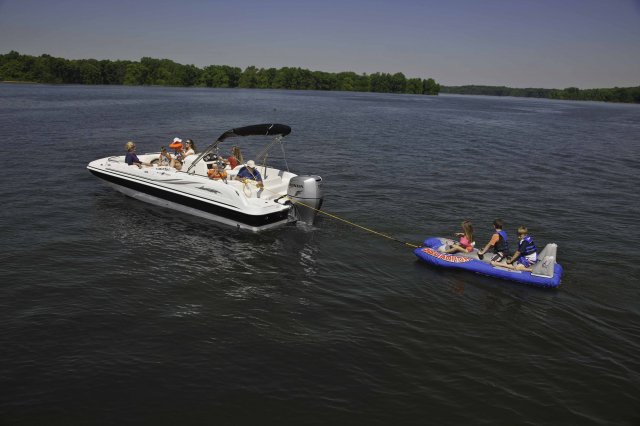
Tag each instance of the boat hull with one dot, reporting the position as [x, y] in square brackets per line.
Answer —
[161, 195]
[470, 262]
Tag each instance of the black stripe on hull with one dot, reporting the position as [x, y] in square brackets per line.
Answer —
[236, 216]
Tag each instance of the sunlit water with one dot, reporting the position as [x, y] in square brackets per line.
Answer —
[118, 312]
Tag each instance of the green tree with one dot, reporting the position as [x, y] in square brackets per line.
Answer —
[191, 75]
[136, 74]
[11, 67]
[380, 83]
[90, 72]
[323, 81]
[113, 72]
[430, 87]
[215, 76]
[397, 83]
[265, 78]
[249, 78]
[346, 81]
[363, 83]
[414, 86]
[233, 75]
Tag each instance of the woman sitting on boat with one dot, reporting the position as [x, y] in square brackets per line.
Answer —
[466, 242]
[180, 152]
[131, 158]
[235, 158]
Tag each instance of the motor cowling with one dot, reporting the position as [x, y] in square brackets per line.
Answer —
[306, 194]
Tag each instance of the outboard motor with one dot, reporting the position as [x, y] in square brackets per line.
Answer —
[306, 194]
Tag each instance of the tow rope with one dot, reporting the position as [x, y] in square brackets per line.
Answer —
[333, 216]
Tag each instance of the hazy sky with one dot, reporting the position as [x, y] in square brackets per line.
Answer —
[517, 43]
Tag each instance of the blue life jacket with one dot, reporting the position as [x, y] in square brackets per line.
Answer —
[502, 245]
[528, 246]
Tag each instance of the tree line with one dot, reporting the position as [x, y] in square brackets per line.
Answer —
[616, 94]
[164, 72]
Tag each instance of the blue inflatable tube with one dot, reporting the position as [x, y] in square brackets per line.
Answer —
[547, 273]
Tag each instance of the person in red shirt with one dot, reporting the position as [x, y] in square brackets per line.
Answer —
[235, 158]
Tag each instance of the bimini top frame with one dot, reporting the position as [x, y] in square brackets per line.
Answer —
[274, 129]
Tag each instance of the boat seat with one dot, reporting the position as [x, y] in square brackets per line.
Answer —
[199, 169]
[546, 261]
[272, 178]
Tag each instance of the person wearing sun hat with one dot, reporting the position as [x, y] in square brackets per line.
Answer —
[176, 144]
[176, 161]
[180, 152]
[250, 172]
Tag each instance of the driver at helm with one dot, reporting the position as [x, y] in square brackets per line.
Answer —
[249, 172]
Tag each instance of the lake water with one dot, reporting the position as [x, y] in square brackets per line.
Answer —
[113, 311]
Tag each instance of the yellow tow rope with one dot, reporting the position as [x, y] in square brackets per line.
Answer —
[389, 237]
[354, 224]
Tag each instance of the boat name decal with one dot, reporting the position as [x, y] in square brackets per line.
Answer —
[204, 188]
[446, 257]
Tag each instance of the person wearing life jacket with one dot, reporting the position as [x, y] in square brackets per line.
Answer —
[217, 173]
[498, 241]
[527, 254]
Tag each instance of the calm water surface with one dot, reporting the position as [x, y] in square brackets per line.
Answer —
[118, 312]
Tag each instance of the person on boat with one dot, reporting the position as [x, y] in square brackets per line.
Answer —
[466, 242]
[165, 158]
[190, 149]
[176, 161]
[526, 255]
[131, 158]
[217, 172]
[182, 152]
[235, 158]
[249, 172]
[498, 241]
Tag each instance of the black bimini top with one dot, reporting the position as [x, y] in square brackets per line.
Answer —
[273, 129]
[257, 130]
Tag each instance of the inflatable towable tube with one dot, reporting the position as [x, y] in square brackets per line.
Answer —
[546, 272]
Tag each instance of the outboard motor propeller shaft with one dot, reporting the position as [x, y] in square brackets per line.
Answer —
[305, 192]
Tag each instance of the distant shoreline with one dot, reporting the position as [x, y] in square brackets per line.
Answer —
[45, 69]
[446, 90]
[164, 72]
[616, 94]
[19, 82]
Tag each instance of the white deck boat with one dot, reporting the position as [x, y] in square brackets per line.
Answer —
[284, 197]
